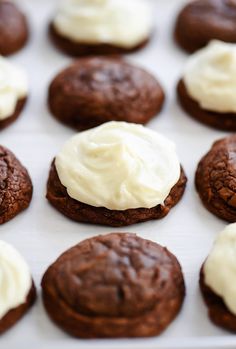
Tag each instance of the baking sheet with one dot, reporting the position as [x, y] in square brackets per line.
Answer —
[41, 233]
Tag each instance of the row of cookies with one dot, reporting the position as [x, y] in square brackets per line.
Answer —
[98, 27]
[118, 174]
[85, 309]
[95, 90]
[142, 280]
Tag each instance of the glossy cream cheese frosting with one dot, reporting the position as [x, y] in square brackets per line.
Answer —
[15, 279]
[119, 166]
[220, 267]
[210, 77]
[13, 86]
[124, 23]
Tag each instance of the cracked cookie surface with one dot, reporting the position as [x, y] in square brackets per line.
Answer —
[117, 285]
[203, 20]
[96, 90]
[216, 179]
[80, 212]
[15, 186]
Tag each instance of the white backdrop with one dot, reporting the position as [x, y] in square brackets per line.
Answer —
[41, 234]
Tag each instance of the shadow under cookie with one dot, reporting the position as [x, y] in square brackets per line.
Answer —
[80, 212]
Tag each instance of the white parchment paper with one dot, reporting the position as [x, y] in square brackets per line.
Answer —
[41, 233]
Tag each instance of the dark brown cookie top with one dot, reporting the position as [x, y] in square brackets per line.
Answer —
[203, 20]
[116, 275]
[13, 28]
[15, 186]
[216, 179]
[96, 90]
[217, 310]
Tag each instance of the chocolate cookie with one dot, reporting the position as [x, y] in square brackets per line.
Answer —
[75, 49]
[9, 120]
[13, 28]
[15, 314]
[221, 121]
[216, 179]
[96, 90]
[80, 212]
[203, 20]
[15, 186]
[117, 285]
[217, 310]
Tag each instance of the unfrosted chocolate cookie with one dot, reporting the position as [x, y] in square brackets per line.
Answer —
[117, 285]
[203, 20]
[216, 179]
[221, 121]
[75, 49]
[15, 314]
[96, 90]
[13, 28]
[217, 310]
[15, 186]
[57, 195]
[10, 119]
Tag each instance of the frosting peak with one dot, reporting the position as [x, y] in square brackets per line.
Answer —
[119, 166]
[210, 77]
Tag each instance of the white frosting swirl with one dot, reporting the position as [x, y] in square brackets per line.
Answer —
[220, 267]
[13, 86]
[210, 77]
[125, 23]
[15, 279]
[119, 166]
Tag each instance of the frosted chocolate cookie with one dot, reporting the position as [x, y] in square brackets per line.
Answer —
[203, 20]
[13, 28]
[216, 179]
[142, 280]
[101, 27]
[95, 90]
[13, 92]
[15, 186]
[217, 280]
[17, 290]
[116, 174]
[208, 87]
